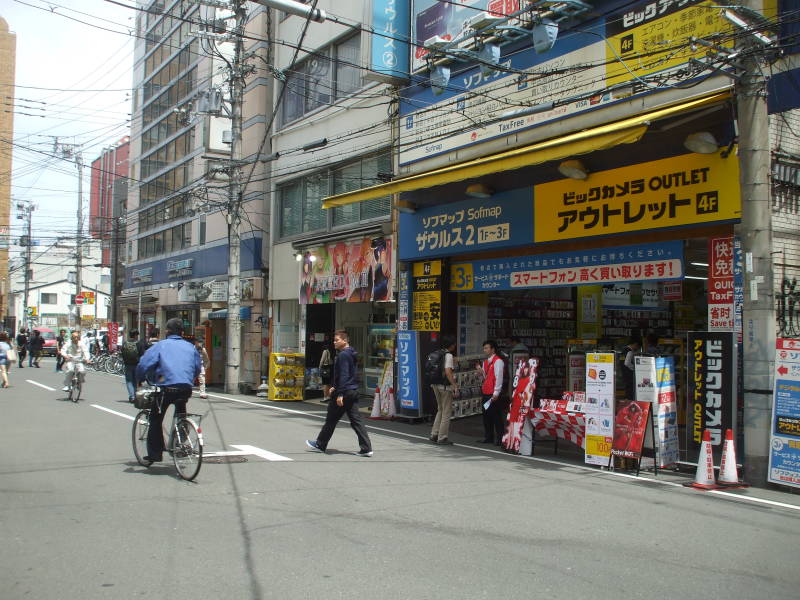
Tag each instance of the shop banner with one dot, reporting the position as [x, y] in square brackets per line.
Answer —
[521, 402]
[502, 221]
[403, 300]
[590, 318]
[630, 425]
[408, 375]
[599, 407]
[357, 271]
[710, 390]
[388, 46]
[658, 261]
[721, 313]
[426, 286]
[673, 192]
[738, 288]
[655, 383]
[638, 295]
[113, 336]
[576, 371]
[784, 455]
[672, 290]
[473, 322]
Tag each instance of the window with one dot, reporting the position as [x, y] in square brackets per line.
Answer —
[328, 75]
[49, 298]
[300, 201]
[175, 238]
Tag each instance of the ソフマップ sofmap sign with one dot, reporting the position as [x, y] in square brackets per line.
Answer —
[690, 189]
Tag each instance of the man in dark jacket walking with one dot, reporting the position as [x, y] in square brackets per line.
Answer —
[345, 393]
[35, 345]
[22, 346]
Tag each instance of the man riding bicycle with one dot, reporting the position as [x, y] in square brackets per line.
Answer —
[75, 354]
[172, 364]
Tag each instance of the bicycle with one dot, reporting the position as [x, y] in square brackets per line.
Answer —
[185, 443]
[75, 383]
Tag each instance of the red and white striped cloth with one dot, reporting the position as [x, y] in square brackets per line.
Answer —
[562, 424]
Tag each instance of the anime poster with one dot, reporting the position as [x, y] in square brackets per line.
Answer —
[358, 271]
[521, 402]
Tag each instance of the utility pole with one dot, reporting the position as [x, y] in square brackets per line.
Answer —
[25, 211]
[755, 230]
[69, 151]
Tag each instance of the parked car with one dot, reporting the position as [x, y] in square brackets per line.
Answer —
[50, 347]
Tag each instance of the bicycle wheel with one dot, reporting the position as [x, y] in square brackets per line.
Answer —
[187, 451]
[78, 386]
[71, 392]
[141, 425]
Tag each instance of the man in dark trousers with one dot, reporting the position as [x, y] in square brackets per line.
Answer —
[60, 341]
[22, 346]
[35, 345]
[172, 364]
[345, 391]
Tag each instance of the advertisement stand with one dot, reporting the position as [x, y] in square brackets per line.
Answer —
[630, 429]
[599, 407]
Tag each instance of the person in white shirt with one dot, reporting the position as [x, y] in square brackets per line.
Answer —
[75, 354]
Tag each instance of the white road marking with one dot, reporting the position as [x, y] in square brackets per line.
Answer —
[113, 412]
[265, 454]
[41, 385]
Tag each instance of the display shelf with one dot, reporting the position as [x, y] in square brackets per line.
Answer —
[287, 376]
[469, 380]
[380, 351]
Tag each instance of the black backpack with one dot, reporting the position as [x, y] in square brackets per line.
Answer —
[434, 366]
[130, 353]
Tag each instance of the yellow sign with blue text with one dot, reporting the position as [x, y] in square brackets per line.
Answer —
[690, 189]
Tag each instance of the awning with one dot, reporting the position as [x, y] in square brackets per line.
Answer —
[603, 137]
[244, 313]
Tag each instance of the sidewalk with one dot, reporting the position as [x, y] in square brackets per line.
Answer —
[466, 431]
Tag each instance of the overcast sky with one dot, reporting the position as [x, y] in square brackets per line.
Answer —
[73, 72]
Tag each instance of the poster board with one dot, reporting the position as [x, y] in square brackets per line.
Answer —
[784, 453]
[630, 427]
[599, 407]
[521, 402]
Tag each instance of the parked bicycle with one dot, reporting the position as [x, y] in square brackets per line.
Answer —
[185, 442]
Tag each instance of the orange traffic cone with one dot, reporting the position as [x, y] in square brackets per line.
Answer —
[704, 478]
[376, 405]
[390, 411]
[728, 476]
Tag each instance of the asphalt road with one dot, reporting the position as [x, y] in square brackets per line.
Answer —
[79, 518]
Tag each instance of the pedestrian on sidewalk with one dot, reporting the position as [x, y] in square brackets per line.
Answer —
[204, 363]
[130, 358]
[22, 346]
[35, 345]
[5, 348]
[60, 339]
[326, 370]
[345, 391]
[444, 390]
[492, 388]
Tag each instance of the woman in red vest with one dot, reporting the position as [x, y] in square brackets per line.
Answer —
[493, 413]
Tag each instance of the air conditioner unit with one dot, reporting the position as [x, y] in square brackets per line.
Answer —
[435, 42]
[482, 20]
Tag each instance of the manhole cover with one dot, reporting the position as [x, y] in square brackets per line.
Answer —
[219, 460]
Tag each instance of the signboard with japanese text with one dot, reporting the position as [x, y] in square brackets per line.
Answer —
[403, 300]
[630, 425]
[683, 190]
[738, 287]
[502, 221]
[599, 407]
[389, 51]
[473, 322]
[655, 383]
[784, 454]
[720, 284]
[426, 287]
[658, 261]
[590, 316]
[408, 374]
[639, 295]
[359, 271]
[672, 290]
[711, 389]
[113, 336]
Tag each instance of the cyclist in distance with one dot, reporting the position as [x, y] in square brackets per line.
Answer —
[75, 354]
[172, 364]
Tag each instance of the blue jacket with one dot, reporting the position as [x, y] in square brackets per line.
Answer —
[345, 376]
[174, 360]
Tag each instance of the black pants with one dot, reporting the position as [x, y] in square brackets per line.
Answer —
[494, 418]
[59, 362]
[21, 354]
[336, 412]
[155, 438]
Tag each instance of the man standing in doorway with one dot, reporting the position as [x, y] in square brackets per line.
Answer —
[493, 413]
[345, 393]
[444, 391]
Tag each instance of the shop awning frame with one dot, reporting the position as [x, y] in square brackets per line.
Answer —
[626, 131]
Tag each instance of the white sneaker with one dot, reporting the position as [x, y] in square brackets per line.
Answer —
[65, 388]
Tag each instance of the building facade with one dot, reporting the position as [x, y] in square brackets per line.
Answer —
[8, 61]
[106, 172]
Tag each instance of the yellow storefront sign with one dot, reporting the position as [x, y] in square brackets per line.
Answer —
[690, 189]
[598, 445]
[426, 295]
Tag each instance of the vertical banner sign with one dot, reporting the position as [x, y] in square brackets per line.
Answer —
[427, 295]
[389, 51]
[720, 284]
[784, 454]
[576, 372]
[473, 318]
[113, 335]
[655, 383]
[408, 370]
[403, 300]
[630, 425]
[738, 288]
[590, 298]
[599, 407]
[710, 389]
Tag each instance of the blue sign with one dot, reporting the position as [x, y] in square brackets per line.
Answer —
[389, 54]
[784, 455]
[502, 221]
[661, 261]
[408, 375]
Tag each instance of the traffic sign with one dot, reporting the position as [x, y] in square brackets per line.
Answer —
[31, 311]
[79, 299]
[88, 297]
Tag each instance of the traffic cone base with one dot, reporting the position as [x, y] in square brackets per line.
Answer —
[376, 405]
[704, 477]
[728, 476]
